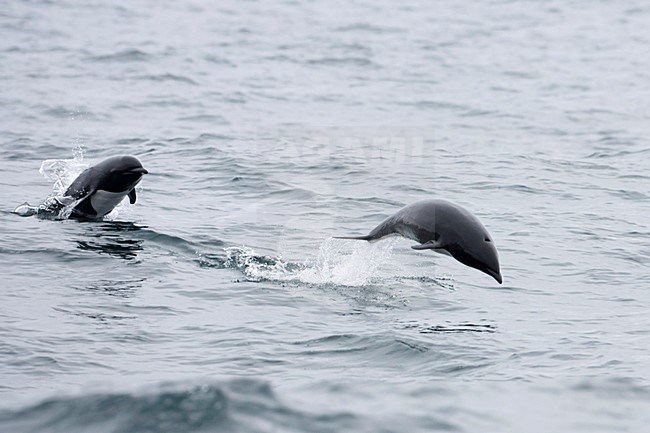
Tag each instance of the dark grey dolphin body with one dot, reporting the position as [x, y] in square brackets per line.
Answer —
[444, 227]
[103, 186]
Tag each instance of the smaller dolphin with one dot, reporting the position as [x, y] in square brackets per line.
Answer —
[443, 227]
[103, 186]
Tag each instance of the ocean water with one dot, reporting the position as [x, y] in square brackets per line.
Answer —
[220, 302]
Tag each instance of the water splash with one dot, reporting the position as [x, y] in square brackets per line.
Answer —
[54, 207]
[62, 172]
[351, 263]
[339, 262]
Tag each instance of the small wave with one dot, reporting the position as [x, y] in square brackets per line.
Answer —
[379, 348]
[127, 240]
[435, 105]
[339, 262]
[369, 28]
[127, 249]
[343, 61]
[451, 327]
[239, 405]
[615, 388]
[168, 77]
[204, 118]
[630, 195]
[218, 60]
[132, 55]
[72, 113]
[618, 153]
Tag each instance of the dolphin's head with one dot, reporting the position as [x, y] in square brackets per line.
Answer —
[122, 173]
[476, 249]
[446, 227]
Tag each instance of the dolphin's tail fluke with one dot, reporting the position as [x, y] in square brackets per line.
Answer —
[356, 238]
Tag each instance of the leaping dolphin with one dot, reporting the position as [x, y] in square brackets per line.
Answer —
[443, 227]
[103, 186]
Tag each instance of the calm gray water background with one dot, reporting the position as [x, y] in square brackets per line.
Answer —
[219, 302]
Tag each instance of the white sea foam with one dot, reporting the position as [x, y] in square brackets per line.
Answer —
[339, 262]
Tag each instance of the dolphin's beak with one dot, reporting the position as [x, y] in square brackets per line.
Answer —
[496, 275]
[140, 170]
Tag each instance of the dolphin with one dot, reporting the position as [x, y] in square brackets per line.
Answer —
[445, 228]
[98, 189]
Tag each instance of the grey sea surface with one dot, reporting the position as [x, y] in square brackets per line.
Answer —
[220, 302]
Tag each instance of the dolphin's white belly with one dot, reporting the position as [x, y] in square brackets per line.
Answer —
[103, 201]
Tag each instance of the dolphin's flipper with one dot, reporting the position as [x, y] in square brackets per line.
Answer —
[132, 196]
[67, 200]
[429, 245]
